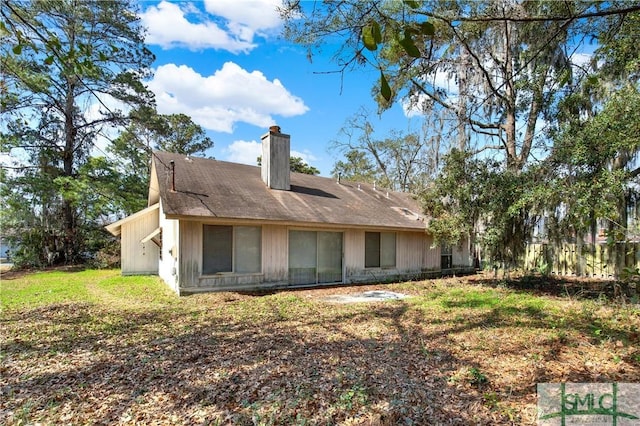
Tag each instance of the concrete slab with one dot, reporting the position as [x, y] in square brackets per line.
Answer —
[367, 296]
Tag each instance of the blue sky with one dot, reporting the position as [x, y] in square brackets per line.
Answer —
[225, 64]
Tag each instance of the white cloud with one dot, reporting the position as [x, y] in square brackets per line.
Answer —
[218, 101]
[104, 104]
[413, 107]
[245, 152]
[248, 17]
[168, 27]
[581, 59]
[227, 24]
[306, 156]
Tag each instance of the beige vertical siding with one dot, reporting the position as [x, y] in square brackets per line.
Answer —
[353, 253]
[137, 257]
[431, 260]
[190, 253]
[415, 257]
[275, 253]
[461, 254]
[410, 248]
[274, 260]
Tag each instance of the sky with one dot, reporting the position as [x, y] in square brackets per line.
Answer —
[226, 65]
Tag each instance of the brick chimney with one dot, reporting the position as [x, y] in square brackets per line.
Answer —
[276, 149]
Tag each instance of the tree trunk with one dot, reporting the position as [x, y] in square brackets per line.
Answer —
[69, 246]
[509, 126]
[463, 67]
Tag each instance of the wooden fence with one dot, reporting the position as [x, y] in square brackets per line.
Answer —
[588, 260]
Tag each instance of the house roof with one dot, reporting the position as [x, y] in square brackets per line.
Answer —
[206, 188]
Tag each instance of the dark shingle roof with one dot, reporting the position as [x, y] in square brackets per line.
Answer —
[224, 190]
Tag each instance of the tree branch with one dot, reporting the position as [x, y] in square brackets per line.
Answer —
[475, 57]
[452, 19]
[487, 147]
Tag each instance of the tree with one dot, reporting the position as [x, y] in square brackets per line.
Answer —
[149, 131]
[592, 171]
[506, 62]
[296, 165]
[181, 135]
[402, 162]
[356, 167]
[497, 67]
[66, 65]
[475, 201]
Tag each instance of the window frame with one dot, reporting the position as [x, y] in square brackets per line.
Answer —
[381, 251]
[233, 247]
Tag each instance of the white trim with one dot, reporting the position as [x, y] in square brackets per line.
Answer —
[151, 235]
[116, 227]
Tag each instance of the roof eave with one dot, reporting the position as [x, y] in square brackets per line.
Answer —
[300, 224]
[115, 228]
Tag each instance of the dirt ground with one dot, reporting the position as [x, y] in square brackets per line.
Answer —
[461, 351]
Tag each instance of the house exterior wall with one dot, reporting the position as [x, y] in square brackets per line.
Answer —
[139, 258]
[354, 255]
[190, 250]
[461, 255]
[432, 254]
[275, 254]
[415, 258]
[274, 262]
[168, 262]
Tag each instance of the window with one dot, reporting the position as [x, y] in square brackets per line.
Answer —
[446, 257]
[231, 249]
[379, 250]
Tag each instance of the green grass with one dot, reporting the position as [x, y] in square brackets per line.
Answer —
[90, 286]
[95, 347]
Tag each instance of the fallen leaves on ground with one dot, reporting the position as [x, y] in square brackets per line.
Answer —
[456, 353]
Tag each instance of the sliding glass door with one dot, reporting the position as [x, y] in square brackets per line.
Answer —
[315, 257]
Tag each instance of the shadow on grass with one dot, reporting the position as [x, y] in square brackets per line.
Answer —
[572, 287]
[281, 360]
[372, 362]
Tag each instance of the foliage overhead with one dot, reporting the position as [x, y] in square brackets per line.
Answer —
[506, 62]
[71, 70]
[593, 170]
[515, 101]
[149, 131]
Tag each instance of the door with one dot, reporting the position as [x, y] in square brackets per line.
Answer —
[315, 257]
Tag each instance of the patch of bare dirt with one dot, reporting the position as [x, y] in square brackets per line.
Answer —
[459, 355]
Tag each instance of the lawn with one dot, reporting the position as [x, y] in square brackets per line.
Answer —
[91, 347]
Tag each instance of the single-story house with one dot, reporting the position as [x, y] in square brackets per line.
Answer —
[214, 225]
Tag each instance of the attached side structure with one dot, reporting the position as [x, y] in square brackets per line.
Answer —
[139, 234]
